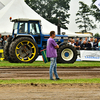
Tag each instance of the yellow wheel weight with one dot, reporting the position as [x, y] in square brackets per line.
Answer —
[19, 46]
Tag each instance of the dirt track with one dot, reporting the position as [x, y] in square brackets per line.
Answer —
[43, 73]
[50, 92]
[46, 91]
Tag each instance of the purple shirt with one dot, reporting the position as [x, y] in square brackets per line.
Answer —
[51, 51]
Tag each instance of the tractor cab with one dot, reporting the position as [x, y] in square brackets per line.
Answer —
[26, 27]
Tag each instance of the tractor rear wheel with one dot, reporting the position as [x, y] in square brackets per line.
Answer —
[6, 50]
[67, 54]
[23, 50]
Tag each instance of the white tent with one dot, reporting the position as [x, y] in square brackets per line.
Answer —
[83, 35]
[3, 3]
[19, 9]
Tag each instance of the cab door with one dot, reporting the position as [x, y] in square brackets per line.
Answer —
[35, 31]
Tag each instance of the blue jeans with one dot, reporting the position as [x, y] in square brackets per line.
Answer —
[53, 67]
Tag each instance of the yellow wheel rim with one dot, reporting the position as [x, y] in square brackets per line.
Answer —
[25, 51]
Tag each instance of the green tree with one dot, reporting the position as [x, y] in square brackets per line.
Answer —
[95, 11]
[84, 19]
[52, 10]
[97, 35]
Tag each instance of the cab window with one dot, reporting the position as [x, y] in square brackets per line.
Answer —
[34, 29]
[23, 27]
[15, 28]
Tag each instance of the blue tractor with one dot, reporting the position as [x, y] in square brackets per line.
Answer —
[27, 41]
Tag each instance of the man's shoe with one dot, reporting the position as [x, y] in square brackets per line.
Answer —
[58, 79]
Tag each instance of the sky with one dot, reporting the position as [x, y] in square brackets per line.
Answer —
[74, 7]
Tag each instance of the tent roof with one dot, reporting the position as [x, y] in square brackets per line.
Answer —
[1, 5]
[5, 2]
[78, 35]
[83, 35]
[19, 9]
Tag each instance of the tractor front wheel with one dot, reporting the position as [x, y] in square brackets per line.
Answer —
[67, 54]
[23, 50]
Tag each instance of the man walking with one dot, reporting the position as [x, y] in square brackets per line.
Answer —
[52, 54]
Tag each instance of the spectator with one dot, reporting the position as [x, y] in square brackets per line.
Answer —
[91, 40]
[84, 45]
[69, 41]
[72, 42]
[89, 45]
[8, 36]
[4, 40]
[1, 42]
[95, 44]
[80, 41]
[99, 44]
[77, 39]
[86, 39]
[77, 45]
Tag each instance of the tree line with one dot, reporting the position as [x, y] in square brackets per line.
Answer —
[57, 12]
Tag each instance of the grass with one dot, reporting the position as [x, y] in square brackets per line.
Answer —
[45, 81]
[42, 64]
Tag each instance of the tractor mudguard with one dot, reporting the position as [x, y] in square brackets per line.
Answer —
[62, 43]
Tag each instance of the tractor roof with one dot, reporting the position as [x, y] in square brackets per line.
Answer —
[24, 19]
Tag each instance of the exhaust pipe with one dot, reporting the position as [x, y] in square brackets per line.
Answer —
[58, 27]
[59, 30]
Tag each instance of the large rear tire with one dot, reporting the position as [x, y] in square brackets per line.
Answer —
[23, 50]
[6, 50]
[67, 54]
